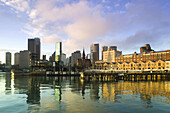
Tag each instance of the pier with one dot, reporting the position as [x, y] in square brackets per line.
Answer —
[125, 76]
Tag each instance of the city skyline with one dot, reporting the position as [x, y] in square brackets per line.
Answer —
[125, 24]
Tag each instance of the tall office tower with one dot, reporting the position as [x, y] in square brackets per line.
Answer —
[113, 48]
[25, 59]
[63, 58]
[53, 57]
[8, 59]
[104, 48]
[34, 46]
[38, 47]
[50, 58]
[68, 63]
[44, 57]
[58, 51]
[94, 53]
[74, 57]
[16, 62]
[110, 55]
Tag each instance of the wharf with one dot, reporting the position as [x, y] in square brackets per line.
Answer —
[126, 76]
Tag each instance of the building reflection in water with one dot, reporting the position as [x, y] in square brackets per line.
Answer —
[8, 81]
[33, 91]
[111, 91]
[147, 90]
[58, 93]
[94, 91]
[83, 88]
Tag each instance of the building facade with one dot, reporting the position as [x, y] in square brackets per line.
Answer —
[8, 59]
[38, 47]
[58, 52]
[104, 48]
[147, 60]
[25, 59]
[110, 54]
[44, 58]
[16, 55]
[74, 57]
[130, 66]
[34, 46]
[146, 48]
[83, 63]
[94, 53]
[153, 56]
[63, 59]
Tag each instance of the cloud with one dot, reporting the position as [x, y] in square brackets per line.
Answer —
[7, 50]
[81, 23]
[52, 39]
[127, 5]
[117, 5]
[20, 5]
[78, 24]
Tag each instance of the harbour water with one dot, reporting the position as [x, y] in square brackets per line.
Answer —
[32, 94]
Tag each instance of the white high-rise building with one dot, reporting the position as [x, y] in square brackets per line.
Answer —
[110, 54]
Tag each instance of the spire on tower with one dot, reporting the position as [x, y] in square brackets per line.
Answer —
[83, 57]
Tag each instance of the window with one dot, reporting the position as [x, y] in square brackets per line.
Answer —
[139, 64]
[148, 64]
[159, 64]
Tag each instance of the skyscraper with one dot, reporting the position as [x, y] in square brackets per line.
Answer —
[104, 48]
[64, 58]
[16, 62]
[110, 54]
[58, 52]
[74, 57]
[8, 59]
[25, 59]
[44, 57]
[94, 53]
[38, 47]
[34, 46]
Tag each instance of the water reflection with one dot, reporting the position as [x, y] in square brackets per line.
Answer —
[33, 91]
[45, 94]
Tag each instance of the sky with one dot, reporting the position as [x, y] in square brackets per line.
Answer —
[127, 24]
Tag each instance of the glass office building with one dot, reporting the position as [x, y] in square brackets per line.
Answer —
[58, 51]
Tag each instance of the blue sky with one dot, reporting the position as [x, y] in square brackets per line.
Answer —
[127, 24]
